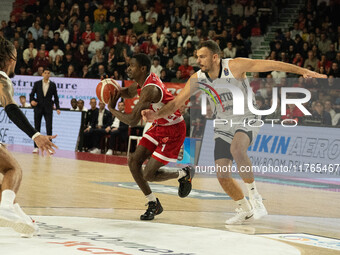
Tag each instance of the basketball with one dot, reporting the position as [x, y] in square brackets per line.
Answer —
[106, 88]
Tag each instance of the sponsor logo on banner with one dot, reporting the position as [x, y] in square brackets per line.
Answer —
[317, 241]
[170, 190]
[67, 88]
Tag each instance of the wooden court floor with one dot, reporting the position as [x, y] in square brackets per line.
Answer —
[69, 187]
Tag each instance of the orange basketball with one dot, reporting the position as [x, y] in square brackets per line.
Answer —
[106, 88]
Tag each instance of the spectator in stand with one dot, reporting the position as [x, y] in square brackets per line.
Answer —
[164, 56]
[81, 55]
[100, 26]
[230, 51]
[101, 120]
[321, 115]
[329, 108]
[39, 72]
[135, 14]
[74, 105]
[156, 67]
[164, 77]
[80, 104]
[326, 64]
[62, 13]
[117, 129]
[334, 71]
[331, 54]
[324, 44]
[95, 45]
[97, 60]
[298, 60]
[55, 52]
[64, 33]
[293, 112]
[28, 39]
[147, 45]
[126, 26]
[311, 61]
[179, 57]
[193, 61]
[171, 69]
[100, 11]
[56, 40]
[88, 36]
[112, 37]
[185, 69]
[158, 37]
[71, 72]
[23, 103]
[178, 78]
[85, 73]
[29, 54]
[40, 61]
[36, 30]
[140, 26]
[57, 66]
[151, 14]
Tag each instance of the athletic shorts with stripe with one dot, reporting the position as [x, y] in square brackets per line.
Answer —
[164, 142]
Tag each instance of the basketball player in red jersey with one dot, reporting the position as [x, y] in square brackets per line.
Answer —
[162, 141]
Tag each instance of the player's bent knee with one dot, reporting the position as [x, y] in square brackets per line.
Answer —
[148, 176]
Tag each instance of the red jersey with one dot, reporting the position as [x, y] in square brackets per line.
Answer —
[153, 80]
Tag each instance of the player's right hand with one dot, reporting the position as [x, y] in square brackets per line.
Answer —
[311, 74]
[34, 103]
[113, 100]
[45, 145]
[148, 115]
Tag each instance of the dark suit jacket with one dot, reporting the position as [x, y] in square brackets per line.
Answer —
[107, 119]
[122, 126]
[44, 102]
[89, 119]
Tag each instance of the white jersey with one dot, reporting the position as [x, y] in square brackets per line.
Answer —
[222, 101]
[9, 81]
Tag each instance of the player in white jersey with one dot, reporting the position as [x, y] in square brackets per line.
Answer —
[230, 143]
[11, 215]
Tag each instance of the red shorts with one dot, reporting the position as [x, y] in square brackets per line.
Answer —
[164, 141]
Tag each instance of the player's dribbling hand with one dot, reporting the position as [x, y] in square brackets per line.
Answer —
[311, 74]
[148, 115]
[45, 145]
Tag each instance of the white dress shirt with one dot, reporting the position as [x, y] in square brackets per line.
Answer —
[46, 85]
[100, 118]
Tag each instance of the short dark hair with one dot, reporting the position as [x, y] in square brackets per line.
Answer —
[143, 60]
[211, 45]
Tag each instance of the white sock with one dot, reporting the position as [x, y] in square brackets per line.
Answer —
[244, 204]
[151, 197]
[181, 173]
[7, 198]
[251, 188]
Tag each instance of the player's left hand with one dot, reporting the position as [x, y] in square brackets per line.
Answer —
[58, 112]
[148, 115]
[311, 74]
[45, 145]
[113, 100]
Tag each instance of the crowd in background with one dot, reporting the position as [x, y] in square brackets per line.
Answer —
[91, 39]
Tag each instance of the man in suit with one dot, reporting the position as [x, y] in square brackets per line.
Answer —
[88, 120]
[101, 122]
[41, 100]
[117, 129]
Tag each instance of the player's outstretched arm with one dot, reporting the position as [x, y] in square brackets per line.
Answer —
[239, 66]
[148, 95]
[20, 120]
[173, 105]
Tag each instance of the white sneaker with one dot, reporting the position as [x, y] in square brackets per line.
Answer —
[95, 151]
[27, 219]
[109, 152]
[8, 218]
[258, 206]
[240, 217]
[36, 150]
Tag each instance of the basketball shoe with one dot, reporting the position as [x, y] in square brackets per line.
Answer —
[27, 219]
[9, 218]
[154, 208]
[240, 217]
[258, 206]
[185, 184]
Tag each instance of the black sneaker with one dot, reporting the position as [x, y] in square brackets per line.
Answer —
[185, 182]
[154, 208]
